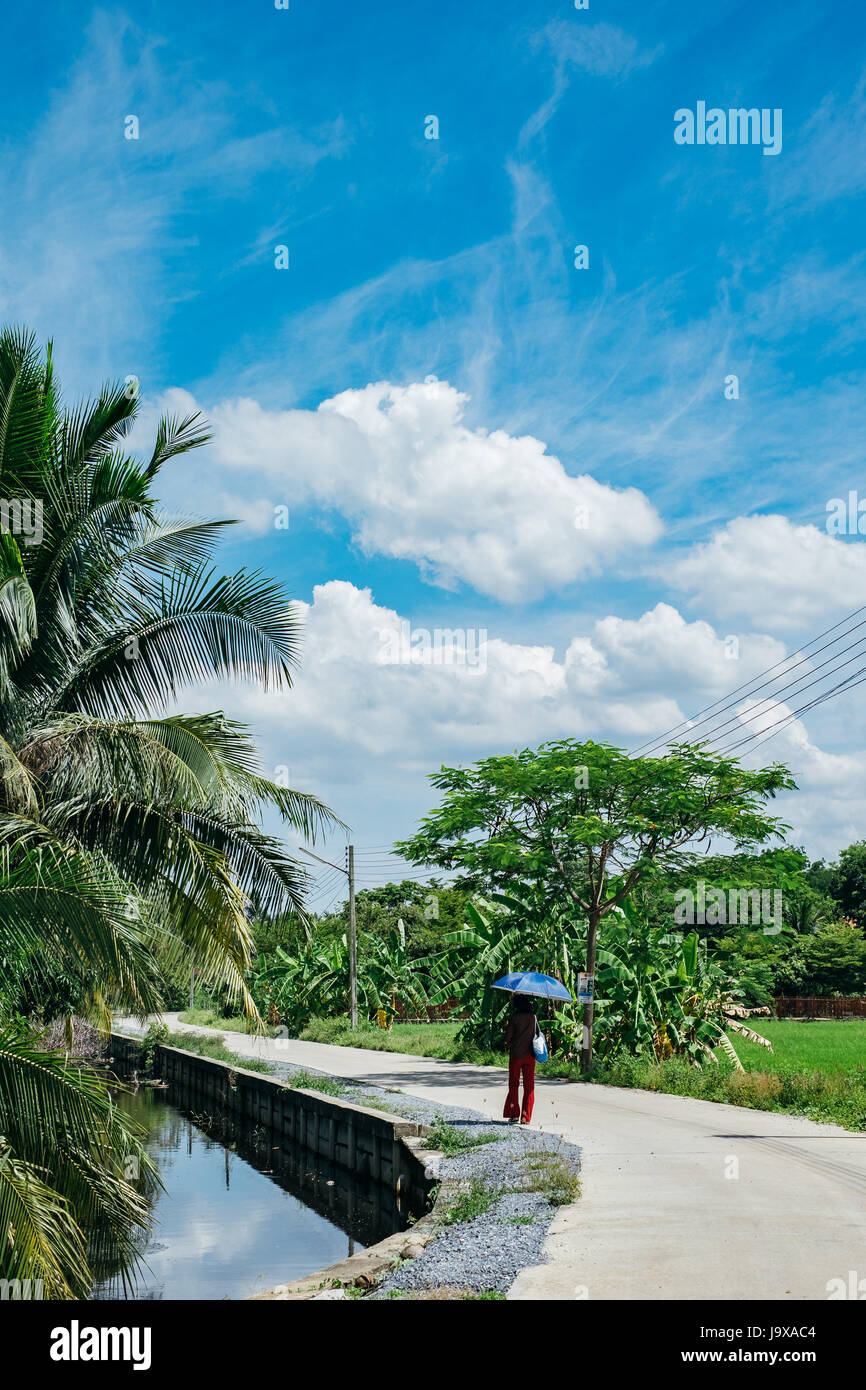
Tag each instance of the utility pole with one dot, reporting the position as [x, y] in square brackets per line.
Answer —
[192, 987]
[353, 942]
[349, 871]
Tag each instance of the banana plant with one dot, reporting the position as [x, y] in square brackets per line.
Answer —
[315, 980]
[712, 1006]
[466, 968]
[506, 932]
[661, 995]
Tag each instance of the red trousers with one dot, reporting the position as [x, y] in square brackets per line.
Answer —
[512, 1110]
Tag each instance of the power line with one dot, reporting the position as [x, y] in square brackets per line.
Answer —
[323, 911]
[330, 876]
[395, 865]
[716, 728]
[377, 851]
[318, 898]
[764, 735]
[776, 695]
[742, 688]
[373, 869]
[327, 889]
[785, 666]
[421, 877]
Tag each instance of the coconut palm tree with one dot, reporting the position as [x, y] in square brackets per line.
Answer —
[130, 840]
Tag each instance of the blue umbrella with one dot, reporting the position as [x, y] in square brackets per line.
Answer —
[532, 982]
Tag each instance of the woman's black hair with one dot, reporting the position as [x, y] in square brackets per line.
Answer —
[522, 1005]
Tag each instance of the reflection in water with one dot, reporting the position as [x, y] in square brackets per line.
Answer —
[240, 1213]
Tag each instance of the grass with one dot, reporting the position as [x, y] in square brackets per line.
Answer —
[306, 1081]
[209, 1018]
[550, 1175]
[421, 1039]
[450, 1141]
[374, 1103]
[828, 1044]
[837, 1097]
[214, 1048]
[474, 1199]
[815, 1069]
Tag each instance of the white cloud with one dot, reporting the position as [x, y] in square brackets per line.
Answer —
[363, 731]
[363, 734]
[829, 160]
[602, 50]
[615, 681]
[465, 505]
[773, 574]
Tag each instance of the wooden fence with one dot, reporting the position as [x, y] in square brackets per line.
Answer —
[816, 1006]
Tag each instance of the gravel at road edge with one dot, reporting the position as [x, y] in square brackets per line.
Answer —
[487, 1253]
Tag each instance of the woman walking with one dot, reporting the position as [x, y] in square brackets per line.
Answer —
[519, 1034]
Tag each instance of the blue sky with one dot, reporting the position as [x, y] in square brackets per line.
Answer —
[413, 258]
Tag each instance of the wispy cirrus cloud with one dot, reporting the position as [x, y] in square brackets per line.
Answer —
[828, 163]
[99, 240]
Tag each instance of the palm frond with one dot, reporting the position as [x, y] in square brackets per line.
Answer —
[59, 903]
[195, 628]
[177, 435]
[27, 415]
[17, 606]
[64, 1130]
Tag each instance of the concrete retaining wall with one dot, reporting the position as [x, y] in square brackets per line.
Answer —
[367, 1143]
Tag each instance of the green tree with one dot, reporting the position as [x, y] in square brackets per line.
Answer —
[588, 821]
[428, 912]
[752, 959]
[831, 961]
[848, 882]
[782, 868]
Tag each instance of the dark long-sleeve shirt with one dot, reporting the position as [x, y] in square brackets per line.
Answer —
[519, 1034]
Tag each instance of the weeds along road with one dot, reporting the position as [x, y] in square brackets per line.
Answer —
[681, 1198]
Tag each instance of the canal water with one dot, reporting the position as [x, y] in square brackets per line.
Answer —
[240, 1213]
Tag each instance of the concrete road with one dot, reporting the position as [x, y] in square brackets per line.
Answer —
[681, 1198]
